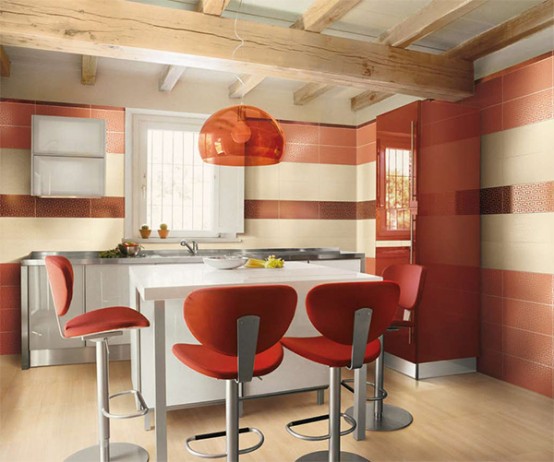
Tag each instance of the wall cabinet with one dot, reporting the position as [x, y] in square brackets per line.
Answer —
[445, 234]
[68, 157]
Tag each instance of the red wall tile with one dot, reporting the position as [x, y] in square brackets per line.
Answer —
[16, 113]
[337, 155]
[527, 374]
[533, 317]
[299, 133]
[491, 119]
[298, 210]
[10, 298]
[491, 281]
[115, 143]
[115, 119]
[527, 80]
[15, 137]
[10, 274]
[533, 287]
[63, 110]
[16, 205]
[54, 207]
[10, 343]
[527, 110]
[301, 153]
[527, 345]
[107, 207]
[491, 309]
[337, 136]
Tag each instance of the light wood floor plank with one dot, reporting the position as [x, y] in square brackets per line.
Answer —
[48, 413]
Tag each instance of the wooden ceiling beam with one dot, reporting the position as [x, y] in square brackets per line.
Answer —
[367, 98]
[433, 17]
[5, 65]
[528, 23]
[139, 32]
[171, 76]
[245, 84]
[213, 7]
[88, 69]
[309, 92]
[322, 13]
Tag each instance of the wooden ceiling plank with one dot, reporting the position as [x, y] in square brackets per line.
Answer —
[429, 19]
[213, 7]
[171, 76]
[135, 31]
[245, 84]
[528, 23]
[88, 69]
[367, 98]
[309, 92]
[322, 13]
[5, 65]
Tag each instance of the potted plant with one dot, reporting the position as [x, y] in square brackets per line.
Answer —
[145, 231]
[163, 231]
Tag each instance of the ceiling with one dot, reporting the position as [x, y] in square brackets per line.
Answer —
[366, 21]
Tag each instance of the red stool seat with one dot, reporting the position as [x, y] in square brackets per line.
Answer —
[324, 351]
[104, 320]
[220, 366]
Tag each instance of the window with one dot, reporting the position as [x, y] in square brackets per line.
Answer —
[394, 192]
[167, 182]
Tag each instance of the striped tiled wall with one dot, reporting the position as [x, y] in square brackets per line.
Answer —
[320, 195]
[517, 221]
[30, 223]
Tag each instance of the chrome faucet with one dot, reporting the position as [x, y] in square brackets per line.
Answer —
[192, 249]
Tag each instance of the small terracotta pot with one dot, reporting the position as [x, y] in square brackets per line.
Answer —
[163, 233]
[145, 233]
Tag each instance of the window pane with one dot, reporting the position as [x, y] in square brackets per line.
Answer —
[397, 194]
[179, 185]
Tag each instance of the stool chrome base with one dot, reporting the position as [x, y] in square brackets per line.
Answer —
[120, 452]
[392, 418]
[323, 456]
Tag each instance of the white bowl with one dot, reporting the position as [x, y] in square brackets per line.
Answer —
[228, 262]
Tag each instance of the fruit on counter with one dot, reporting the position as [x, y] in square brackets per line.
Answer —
[112, 253]
[270, 262]
[273, 262]
[255, 263]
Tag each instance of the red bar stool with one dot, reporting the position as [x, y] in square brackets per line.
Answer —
[239, 328]
[410, 278]
[351, 316]
[98, 326]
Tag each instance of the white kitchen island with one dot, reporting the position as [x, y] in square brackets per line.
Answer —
[159, 292]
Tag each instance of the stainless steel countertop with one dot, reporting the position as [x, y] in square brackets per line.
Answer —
[151, 257]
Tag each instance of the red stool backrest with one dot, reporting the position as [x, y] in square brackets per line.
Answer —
[211, 314]
[60, 276]
[410, 278]
[331, 307]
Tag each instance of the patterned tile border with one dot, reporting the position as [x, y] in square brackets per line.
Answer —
[13, 205]
[308, 210]
[523, 198]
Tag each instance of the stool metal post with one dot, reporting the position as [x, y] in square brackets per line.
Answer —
[232, 420]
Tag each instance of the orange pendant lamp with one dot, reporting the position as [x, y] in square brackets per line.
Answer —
[241, 136]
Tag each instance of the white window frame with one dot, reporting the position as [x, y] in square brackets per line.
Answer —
[229, 183]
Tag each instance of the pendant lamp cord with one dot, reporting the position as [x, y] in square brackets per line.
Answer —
[240, 45]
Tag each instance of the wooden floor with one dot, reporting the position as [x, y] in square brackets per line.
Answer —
[48, 413]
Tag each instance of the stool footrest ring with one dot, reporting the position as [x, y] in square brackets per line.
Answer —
[205, 436]
[319, 418]
[382, 392]
[142, 408]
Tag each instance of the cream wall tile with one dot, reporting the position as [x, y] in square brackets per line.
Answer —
[365, 237]
[15, 171]
[337, 182]
[262, 228]
[519, 155]
[262, 182]
[319, 233]
[522, 242]
[296, 171]
[115, 175]
[298, 191]
[23, 235]
[366, 182]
